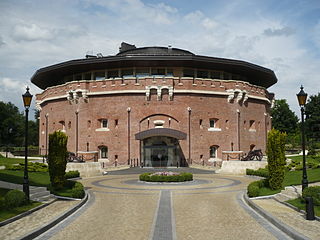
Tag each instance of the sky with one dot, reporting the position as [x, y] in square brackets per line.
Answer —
[281, 35]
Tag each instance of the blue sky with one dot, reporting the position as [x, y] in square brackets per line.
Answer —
[281, 35]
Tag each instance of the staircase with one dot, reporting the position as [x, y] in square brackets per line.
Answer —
[40, 194]
[288, 193]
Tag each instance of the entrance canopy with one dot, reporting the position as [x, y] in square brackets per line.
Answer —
[168, 132]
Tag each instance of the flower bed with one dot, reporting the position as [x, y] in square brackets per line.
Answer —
[166, 177]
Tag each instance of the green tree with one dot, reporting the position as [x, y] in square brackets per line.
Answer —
[11, 125]
[276, 158]
[57, 158]
[283, 119]
[312, 110]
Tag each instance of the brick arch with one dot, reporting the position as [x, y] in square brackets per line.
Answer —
[158, 114]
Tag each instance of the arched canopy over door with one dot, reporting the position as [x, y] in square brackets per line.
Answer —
[168, 132]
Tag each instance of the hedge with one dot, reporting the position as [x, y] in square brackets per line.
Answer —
[182, 177]
[32, 167]
[313, 192]
[72, 174]
[262, 172]
[254, 187]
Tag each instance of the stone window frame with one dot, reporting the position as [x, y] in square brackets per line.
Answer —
[214, 127]
[103, 127]
[252, 126]
[103, 152]
[213, 154]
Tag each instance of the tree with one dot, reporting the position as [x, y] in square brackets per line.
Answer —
[283, 119]
[57, 158]
[11, 125]
[276, 158]
[312, 110]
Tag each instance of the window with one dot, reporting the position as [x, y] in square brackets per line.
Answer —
[89, 124]
[113, 74]
[188, 72]
[169, 72]
[142, 72]
[215, 75]
[212, 123]
[87, 76]
[252, 126]
[103, 152]
[63, 126]
[78, 77]
[127, 73]
[99, 75]
[158, 71]
[200, 123]
[69, 125]
[104, 123]
[116, 122]
[202, 74]
[213, 151]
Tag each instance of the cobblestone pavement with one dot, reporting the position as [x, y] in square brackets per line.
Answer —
[21, 227]
[123, 208]
[292, 218]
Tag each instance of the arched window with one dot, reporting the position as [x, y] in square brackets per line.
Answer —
[213, 151]
[103, 152]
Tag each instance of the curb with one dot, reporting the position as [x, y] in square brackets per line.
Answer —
[57, 220]
[15, 218]
[280, 225]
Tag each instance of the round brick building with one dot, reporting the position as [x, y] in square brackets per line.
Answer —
[160, 106]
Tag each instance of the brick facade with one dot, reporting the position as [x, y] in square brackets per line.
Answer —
[240, 111]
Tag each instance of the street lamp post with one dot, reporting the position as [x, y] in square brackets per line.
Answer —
[302, 98]
[27, 97]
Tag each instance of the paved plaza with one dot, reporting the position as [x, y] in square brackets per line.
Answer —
[120, 207]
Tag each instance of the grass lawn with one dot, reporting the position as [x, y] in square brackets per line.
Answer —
[6, 214]
[10, 161]
[293, 178]
[308, 159]
[302, 206]
[41, 179]
[9, 213]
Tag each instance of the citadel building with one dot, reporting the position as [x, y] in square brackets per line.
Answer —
[164, 106]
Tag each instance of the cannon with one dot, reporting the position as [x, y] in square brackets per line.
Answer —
[254, 155]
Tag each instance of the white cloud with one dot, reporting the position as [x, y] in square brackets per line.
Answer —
[284, 31]
[9, 84]
[30, 32]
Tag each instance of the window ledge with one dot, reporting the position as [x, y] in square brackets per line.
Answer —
[215, 160]
[102, 129]
[214, 129]
[252, 130]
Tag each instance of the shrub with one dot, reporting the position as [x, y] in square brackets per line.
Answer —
[72, 174]
[313, 192]
[150, 177]
[14, 198]
[32, 167]
[254, 187]
[262, 172]
[57, 158]
[78, 190]
[276, 158]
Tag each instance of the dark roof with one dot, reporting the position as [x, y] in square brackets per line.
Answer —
[153, 57]
[155, 51]
[161, 132]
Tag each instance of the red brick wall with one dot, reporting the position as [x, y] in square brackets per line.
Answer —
[114, 107]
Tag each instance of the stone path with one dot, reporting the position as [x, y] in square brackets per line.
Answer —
[123, 208]
[23, 226]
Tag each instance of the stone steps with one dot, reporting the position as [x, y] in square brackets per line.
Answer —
[40, 194]
[290, 192]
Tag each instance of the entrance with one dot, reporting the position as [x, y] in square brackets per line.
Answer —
[161, 151]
